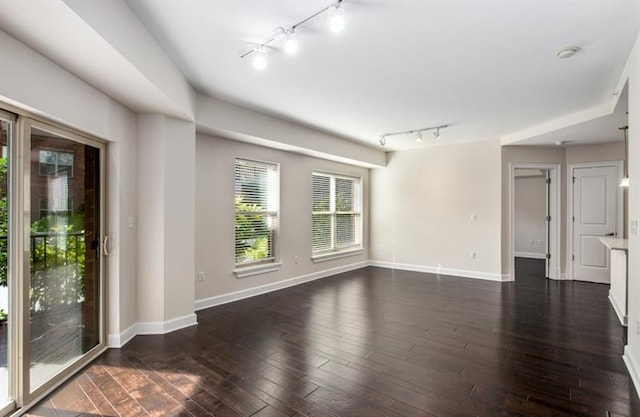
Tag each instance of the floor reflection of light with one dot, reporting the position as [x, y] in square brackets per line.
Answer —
[334, 309]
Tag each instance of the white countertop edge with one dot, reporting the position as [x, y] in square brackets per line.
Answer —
[614, 243]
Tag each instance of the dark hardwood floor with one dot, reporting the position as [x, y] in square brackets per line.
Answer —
[375, 342]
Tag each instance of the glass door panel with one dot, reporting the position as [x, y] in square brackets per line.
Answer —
[65, 274]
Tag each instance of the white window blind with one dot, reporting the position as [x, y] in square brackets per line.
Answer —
[336, 212]
[256, 211]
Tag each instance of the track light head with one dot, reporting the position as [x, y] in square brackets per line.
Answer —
[436, 134]
[260, 58]
[383, 141]
[419, 136]
[290, 42]
[336, 17]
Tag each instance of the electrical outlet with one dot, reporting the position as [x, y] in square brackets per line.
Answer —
[473, 217]
[130, 222]
[200, 276]
[634, 227]
[472, 255]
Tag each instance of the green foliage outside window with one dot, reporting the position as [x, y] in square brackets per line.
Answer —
[57, 261]
[253, 234]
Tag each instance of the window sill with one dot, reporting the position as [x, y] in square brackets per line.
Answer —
[248, 271]
[336, 255]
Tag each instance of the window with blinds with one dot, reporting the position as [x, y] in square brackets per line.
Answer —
[336, 213]
[256, 211]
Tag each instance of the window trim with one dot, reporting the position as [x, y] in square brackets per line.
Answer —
[253, 269]
[270, 264]
[358, 247]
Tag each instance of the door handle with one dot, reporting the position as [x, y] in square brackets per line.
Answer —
[611, 234]
[105, 246]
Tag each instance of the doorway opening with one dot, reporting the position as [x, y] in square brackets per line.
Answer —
[535, 215]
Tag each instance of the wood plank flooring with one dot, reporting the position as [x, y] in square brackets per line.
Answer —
[375, 342]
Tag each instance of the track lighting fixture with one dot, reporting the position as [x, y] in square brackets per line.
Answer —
[335, 20]
[417, 133]
[436, 134]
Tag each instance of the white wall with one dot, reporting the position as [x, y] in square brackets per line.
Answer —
[421, 208]
[613, 151]
[224, 119]
[214, 250]
[166, 226]
[530, 211]
[33, 83]
[632, 351]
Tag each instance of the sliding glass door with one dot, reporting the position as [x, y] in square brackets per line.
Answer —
[52, 285]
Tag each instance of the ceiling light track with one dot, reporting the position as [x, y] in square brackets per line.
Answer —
[417, 133]
[288, 34]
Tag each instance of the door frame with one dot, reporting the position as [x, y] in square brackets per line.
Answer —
[555, 174]
[619, 204]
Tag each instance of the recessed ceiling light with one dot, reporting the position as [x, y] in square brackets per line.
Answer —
[567, 52]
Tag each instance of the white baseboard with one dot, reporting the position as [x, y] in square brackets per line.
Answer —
[443, 271]
[118, 340]
[531, 255]
[632, 368]
[561, 277]
[263, 289]
[156, 327]
[621, 316]
[162, 327]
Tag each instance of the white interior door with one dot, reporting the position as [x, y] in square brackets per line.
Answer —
[594, 215]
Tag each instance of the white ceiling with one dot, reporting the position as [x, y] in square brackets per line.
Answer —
[599, 130]
[487, 68]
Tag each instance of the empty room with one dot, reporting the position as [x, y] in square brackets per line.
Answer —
[319, 208]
